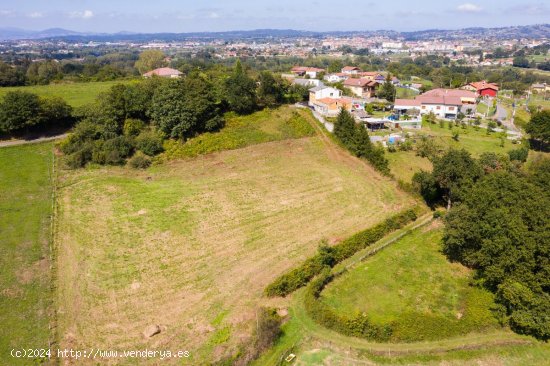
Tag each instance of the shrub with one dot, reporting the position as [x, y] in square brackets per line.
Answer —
[116, 150]
[520, 154]
[312, 266]
[149, 143]
[139, 161]
[133, 127]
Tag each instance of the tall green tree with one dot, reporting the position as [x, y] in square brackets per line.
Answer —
[539, 127]
[19, 110]
[183, 108]
[501, 229]
[150, 60]
[241, 91]
[387, 90]
[454, 172]
[271, 90]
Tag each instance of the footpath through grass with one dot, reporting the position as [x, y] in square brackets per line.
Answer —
[76, 94]
[25, 212]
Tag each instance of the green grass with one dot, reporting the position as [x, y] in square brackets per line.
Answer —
[183, 242]
[76, 94]
[412, 286]
[405, 93]
[403, 164]
[240, 131]
[25, 209]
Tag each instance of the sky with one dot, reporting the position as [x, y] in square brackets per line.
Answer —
[221, 15]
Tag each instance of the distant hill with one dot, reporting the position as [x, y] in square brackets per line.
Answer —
[530, 31]
[17, 33]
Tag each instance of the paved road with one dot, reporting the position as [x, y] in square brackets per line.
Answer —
[501, 113]
[35, 141]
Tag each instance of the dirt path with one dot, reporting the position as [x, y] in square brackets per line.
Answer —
[35, 141]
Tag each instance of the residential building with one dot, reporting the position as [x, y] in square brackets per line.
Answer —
[337, 77]
[308, 82]
[361, 87]
[320, 92]
[312, 72]
[351, 70]
[483, 89]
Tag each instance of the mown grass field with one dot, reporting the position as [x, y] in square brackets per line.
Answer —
[25, 212]
[191, 244]
[414, 287]
[76, 94]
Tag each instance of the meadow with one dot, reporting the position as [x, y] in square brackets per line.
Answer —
[412, 286]
[403, 164]
[25, 219]
[438, 317]
[75, 94]
[191, 244]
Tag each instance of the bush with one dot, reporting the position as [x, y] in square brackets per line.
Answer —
[149, 143]
[520, 154]
[301, 275]
[139, 161]
[133, 127]
[116, 150]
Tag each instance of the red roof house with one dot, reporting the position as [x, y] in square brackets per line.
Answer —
[484, 88]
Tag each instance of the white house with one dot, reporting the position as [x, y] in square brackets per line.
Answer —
[351, 70]
[321, 92]
[337, 77]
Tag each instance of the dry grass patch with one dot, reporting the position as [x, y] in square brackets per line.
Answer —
[190, 245]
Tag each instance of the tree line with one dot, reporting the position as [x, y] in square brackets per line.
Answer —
[498, 223]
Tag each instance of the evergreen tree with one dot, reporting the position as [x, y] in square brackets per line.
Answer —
[241, 91]
[387, 91]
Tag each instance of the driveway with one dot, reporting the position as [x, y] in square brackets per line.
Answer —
[35, 141]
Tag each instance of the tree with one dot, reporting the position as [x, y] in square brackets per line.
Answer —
[150, 60]
[387, 91]
[335, 66]
[10, 76]
[19, 110]
[454, 172]
[539, 127]
[521, 61]
[54, 111]
[43, 72]
[241, 91]
[501, 230]
[183, 108]
[271, 91]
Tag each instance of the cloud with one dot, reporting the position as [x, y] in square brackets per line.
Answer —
[35, 15]
[7, 13]
[86, 14]
[469, 8]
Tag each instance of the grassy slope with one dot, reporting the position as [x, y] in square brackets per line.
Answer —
[413, 285]
[315, 345]
[191, 244]
[25, 208]
[76, 94]
[241, 131]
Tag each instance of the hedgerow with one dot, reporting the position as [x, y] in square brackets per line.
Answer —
[311, 267]
[357, 325]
